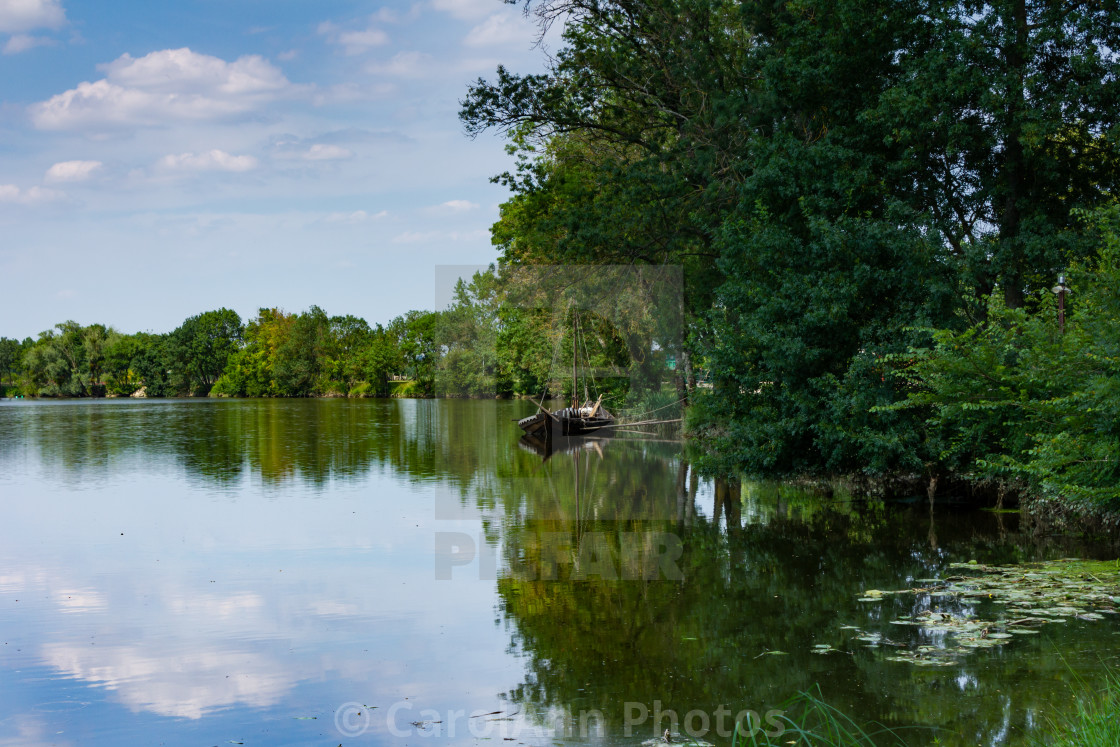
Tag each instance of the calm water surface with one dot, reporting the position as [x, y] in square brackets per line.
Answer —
[377, 572]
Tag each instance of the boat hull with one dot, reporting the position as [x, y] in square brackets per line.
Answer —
[568, 421]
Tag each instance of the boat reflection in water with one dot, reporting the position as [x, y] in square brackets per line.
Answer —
[545, 445]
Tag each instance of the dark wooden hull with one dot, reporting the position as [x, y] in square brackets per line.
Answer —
[536, 425]
[565, 422]
[582, 426]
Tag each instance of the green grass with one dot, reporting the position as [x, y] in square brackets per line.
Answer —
[405, 389]
[808, 721]
[1096, 723]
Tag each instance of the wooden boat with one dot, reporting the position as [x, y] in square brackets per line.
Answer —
[567, 421]
[576, 420]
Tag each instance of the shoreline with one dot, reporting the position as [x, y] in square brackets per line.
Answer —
[1041, 515]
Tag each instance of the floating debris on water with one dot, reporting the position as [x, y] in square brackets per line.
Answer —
[682, 739]
[1022, 599]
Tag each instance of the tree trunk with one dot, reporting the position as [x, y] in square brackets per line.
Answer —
[1014, 166]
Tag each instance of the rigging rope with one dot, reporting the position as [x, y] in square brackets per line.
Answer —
[663, 407]
[587, 357]
[551, 368]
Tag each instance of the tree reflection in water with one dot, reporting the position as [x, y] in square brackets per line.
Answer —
[763, 568]
[625, 576]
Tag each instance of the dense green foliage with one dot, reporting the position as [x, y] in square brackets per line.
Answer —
[275, 355]
[1016, 401]
[492, 340]
[11, 362]
[837, 178]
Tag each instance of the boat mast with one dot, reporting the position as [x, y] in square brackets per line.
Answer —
[575, 382]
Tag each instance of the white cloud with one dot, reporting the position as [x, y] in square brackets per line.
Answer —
[71, 171]
[179, 685]
[23, 42]
[353, 42]
[24, 15]
[341, 93]
[10, 193]
[501, 29]
[466, 9]
[163, 87]
[81, 600]
[416, 237]
[31, 731]
[184, 71]
[457, 206]
[321, 152]
[421, 237]
[356, 42]
[391, 15]
[298, 150]
[214, 160]
[358, 216]
[404, 65]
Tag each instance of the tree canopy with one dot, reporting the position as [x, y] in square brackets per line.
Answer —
[833, 176]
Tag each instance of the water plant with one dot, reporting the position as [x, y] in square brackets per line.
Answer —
[811, 722]
[1096, 722]
[1016, 600]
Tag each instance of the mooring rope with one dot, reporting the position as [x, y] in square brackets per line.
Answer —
[663, 407]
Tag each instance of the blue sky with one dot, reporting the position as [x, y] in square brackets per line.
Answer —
[161, 159]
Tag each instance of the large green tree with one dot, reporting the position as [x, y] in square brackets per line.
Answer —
[1006, 112]
[630, 146]
[11, 358]
[57, 365]
[201, 347]
[847, 170]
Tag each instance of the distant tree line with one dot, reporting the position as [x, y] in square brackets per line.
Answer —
[483, 344]
[276, 354]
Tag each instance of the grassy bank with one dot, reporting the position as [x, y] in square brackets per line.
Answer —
[810, 722]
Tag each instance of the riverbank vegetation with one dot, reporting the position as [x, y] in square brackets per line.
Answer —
[275, 354]
[870, 204]
[498, 337]
[867, 205]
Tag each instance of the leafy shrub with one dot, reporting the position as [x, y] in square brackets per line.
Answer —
[1016, 401]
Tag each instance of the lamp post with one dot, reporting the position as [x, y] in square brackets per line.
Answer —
[1061, 290]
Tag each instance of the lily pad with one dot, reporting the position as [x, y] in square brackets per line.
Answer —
[1015, 599]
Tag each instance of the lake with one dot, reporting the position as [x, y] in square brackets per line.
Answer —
[322, 572]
